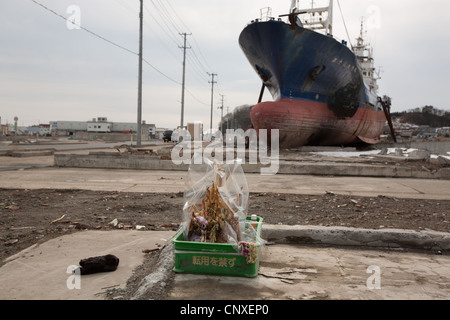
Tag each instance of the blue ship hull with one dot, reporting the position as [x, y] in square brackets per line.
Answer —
[305, 67]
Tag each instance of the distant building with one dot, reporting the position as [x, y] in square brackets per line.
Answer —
[68, 128]
[3, 128]
[443, 132]
[45, 130]
[100, 125]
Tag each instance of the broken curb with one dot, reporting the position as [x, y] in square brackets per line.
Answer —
[344, 236]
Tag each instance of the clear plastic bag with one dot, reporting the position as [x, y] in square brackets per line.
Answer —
[216, 200]
[250, 244]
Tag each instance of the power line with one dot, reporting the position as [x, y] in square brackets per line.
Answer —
[173, 34]
[172, 22]
[120, 46]
[198, 62]
[167, 14]
[175, 12]
[126, 6]
[107, 40]
[163, 30]
[208, 67]
[199, 101]
[160, 72]
[197, 71]
[83, 28]
[195, 65]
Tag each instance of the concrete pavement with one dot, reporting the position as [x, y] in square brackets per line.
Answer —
[287, 272]
[173, 181]
[290, 272]
[41, 271]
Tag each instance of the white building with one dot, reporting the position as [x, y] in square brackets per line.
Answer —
[45, 130]
[100, 125]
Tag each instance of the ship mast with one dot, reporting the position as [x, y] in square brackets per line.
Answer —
[364, 53]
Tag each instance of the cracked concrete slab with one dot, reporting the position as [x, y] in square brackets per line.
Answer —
[290, 272]
[41, 271]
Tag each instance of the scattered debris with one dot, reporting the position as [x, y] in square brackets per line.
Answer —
[59, 219]
[444, 160]
[98, 264]
[315, 295]
[109, 287]
[114, 223]
[11, 242]
[286, 273]
[150, 250]
[128, 148]
[111, 290]
[287, 281]
[21, 228]
[172, 226]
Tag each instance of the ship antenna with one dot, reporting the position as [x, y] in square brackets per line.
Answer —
[345, 25]
[330, 17]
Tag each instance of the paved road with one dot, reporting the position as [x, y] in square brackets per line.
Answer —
[170, 181]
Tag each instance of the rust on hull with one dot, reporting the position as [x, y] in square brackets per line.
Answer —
[313, 123]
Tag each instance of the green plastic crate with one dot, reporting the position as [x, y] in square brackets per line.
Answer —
[214, 258]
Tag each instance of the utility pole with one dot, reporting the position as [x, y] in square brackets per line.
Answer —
[212, 75]
[184, 78]
[139, 118]
[221, 116]
[228, 118]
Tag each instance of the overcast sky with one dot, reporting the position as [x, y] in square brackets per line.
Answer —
[51, 72]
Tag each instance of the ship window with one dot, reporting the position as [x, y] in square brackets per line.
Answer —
[365, 73]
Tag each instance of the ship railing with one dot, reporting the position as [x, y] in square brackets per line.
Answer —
[266, 14]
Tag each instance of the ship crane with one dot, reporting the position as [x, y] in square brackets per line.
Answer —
[317, 18]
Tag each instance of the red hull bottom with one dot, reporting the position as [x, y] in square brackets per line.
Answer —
[313, 123]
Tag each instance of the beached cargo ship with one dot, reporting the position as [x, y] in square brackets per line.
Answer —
[324, 92]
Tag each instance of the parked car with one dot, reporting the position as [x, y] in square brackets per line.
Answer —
[167, 135]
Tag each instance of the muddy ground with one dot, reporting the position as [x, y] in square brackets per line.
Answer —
[35, 216]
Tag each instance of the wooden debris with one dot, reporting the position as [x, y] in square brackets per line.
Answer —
[287, 281]
[59, 219]
[21, 228]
